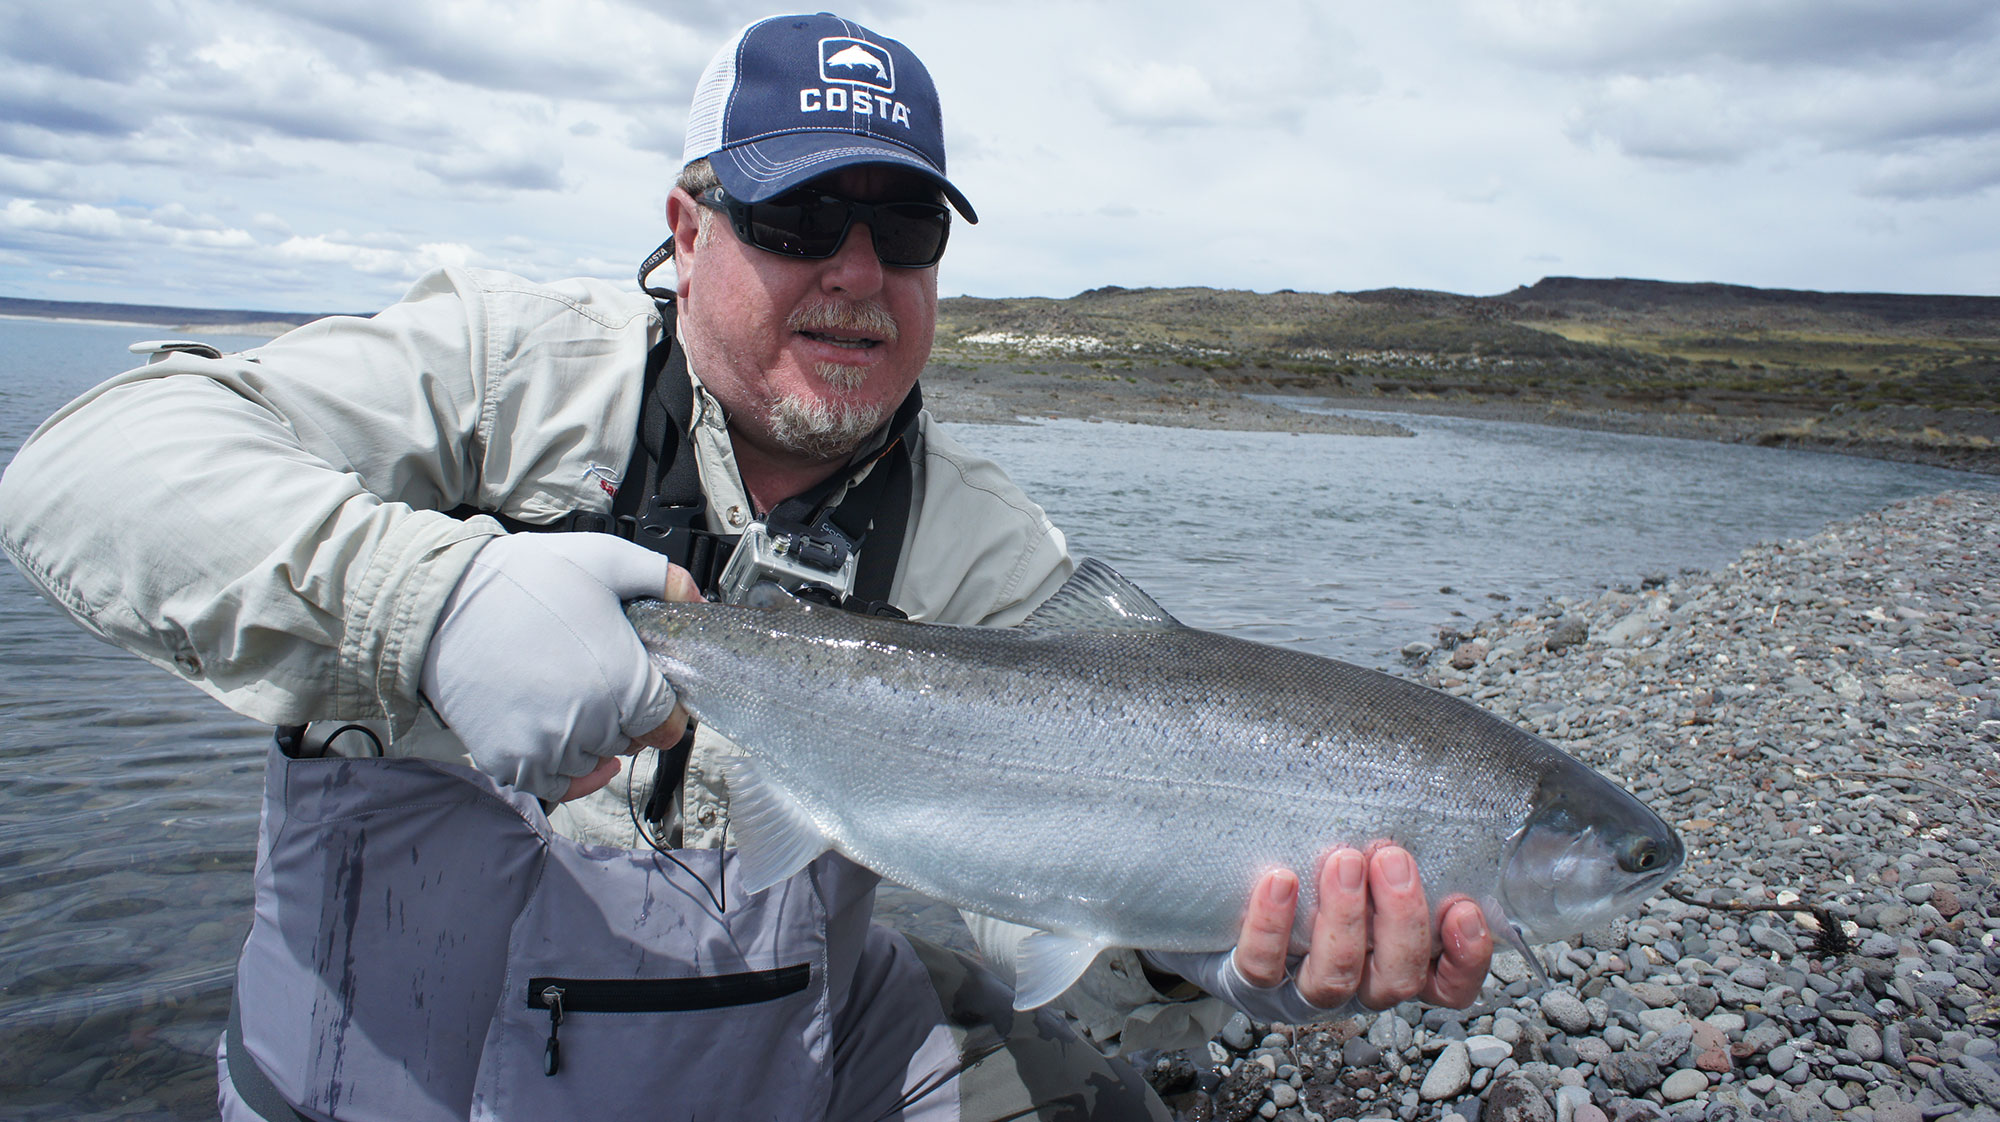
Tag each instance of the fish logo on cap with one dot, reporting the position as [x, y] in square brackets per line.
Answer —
[856, 62]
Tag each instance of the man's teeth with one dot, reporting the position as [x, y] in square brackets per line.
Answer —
[840, 340]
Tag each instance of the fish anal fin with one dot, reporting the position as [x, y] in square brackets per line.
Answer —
[1046, 964]
[1096, 598]
[774, 835]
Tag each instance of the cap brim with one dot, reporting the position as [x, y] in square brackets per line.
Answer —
[764, 169]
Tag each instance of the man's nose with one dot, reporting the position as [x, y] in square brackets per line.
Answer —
[854, 270]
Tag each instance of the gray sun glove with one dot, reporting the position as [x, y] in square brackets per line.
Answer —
[1215, 972]
[533, 664]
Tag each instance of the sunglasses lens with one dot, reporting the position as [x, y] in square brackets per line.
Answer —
[907, 235]
[910, 234]
[802, 228]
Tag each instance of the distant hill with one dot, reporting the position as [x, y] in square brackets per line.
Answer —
[1667, 303]
[1915, 377]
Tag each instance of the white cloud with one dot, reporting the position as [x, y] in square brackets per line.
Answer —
[1153, 92]
[295, 153]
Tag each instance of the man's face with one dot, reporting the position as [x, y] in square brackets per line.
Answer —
[808, 357]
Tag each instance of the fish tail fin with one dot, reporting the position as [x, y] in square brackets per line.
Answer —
[775, 837]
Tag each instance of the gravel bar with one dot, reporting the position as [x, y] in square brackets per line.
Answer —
[1821, 721]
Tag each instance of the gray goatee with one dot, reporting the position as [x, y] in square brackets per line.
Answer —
[827, 429]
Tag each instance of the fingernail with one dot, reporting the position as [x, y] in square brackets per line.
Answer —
[1472, 927]
[1397, 868]
[1280, 889]
[1349, 869]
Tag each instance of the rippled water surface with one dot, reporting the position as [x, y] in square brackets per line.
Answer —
[128, 799]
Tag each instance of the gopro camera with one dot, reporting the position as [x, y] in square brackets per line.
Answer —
[814, 562]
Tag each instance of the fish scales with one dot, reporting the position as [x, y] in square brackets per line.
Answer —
[1119, 784]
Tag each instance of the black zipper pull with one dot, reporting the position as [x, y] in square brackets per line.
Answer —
[552, 1054]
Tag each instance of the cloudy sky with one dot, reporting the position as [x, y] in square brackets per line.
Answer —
[299, 154]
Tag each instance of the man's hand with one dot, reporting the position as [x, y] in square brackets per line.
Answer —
[681, 590]
[535, 668]
[1371, 943]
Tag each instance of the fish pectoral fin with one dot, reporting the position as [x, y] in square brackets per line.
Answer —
[1047, 964]
[1510, 935]
[1096, 598]
[774, 835]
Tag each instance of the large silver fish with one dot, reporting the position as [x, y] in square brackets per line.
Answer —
[1115, 778]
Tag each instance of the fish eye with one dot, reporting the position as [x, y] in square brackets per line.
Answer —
[1641, 855]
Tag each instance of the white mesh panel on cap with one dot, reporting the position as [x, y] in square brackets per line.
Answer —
[711, 99]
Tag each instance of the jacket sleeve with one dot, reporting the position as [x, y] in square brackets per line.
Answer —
[267, 525]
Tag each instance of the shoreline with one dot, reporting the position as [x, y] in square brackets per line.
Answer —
[1820, 719]
[978, 390]
[1191, 397]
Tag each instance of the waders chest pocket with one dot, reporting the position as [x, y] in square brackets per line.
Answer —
[566, 997]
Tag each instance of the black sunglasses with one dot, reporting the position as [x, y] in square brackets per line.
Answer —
[810, 224]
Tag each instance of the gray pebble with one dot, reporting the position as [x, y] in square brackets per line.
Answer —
[1236, 1033]
[1661, 1020]
[1683, 1085]
[1631, 1072]
[1449, 1075]
[1971, 1083]
[1487, 1050]
[1517, 1100]
[1565, 1011]
[1671, 1045]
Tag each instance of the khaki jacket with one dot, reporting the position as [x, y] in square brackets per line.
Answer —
[269, 526]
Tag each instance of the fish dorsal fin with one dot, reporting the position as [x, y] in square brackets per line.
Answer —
[1047, 964]
[775, 837]
[1096, 598]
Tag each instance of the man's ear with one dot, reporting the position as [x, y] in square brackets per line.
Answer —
[684, 218]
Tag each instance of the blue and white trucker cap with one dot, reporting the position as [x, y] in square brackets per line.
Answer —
[791, 98]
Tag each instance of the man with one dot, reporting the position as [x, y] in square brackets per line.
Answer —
[427, 943]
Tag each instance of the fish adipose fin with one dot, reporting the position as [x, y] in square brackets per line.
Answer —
[775, 837]
[1096, 598]
[1047, 964]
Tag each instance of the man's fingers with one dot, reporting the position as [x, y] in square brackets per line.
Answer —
[666, 735]
[1468, 952]
[1399, 958]
[1332, 970]
[1267, 929]
[681, 588]
[605, 771]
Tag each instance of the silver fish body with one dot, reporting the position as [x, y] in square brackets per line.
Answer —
[1113, 777]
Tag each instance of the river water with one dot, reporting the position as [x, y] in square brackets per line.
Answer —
[128, 799]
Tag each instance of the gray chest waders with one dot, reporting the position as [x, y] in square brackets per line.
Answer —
[424, 947]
